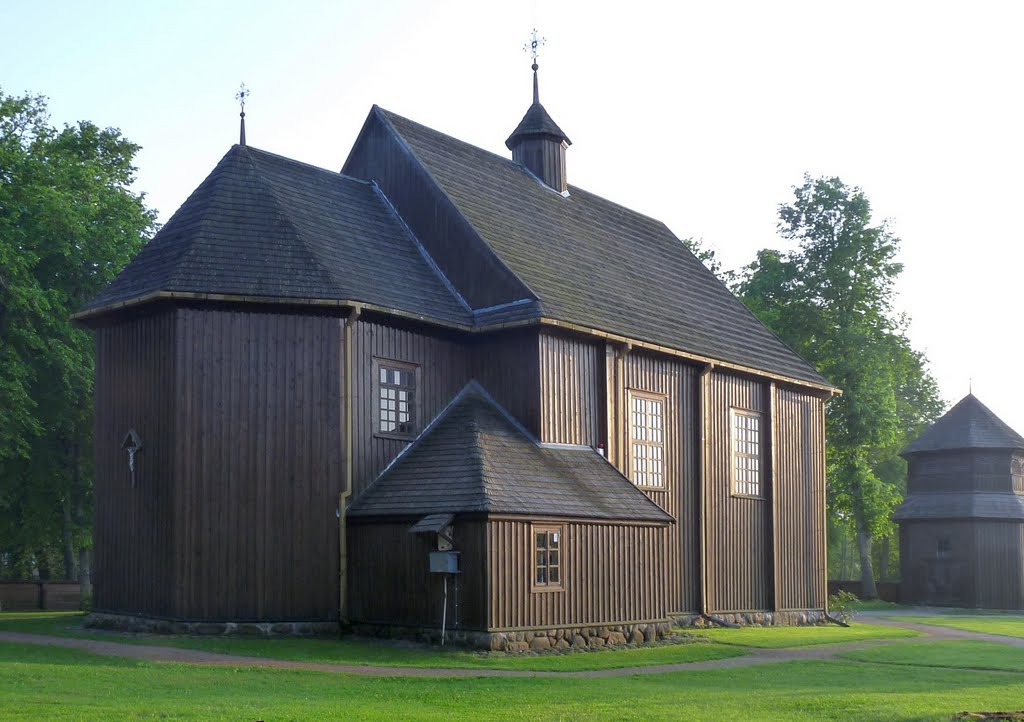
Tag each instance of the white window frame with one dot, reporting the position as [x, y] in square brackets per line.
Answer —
[651, 440]
[413, 399]
[746, 455]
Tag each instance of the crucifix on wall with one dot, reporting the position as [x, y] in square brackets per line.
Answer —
[132, 443]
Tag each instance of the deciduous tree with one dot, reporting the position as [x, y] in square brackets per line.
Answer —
[831, 299]
[69, 220]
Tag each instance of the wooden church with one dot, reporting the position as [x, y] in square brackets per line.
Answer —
[444, 388]
[962, 522]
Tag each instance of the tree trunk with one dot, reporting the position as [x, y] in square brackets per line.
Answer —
[867, 572]
[842, 557]
[84, 571]
[883, 562]
[68, 540]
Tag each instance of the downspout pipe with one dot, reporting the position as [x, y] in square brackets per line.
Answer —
[347, 444]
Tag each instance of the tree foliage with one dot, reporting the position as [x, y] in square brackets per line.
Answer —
[831, 299]
[68, 222]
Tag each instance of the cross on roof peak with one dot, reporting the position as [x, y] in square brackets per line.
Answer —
[240, 96]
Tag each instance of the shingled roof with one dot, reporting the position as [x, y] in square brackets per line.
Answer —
[972, 505]
[265, 226]
[475, 458]
[594, 263]
[968, 425]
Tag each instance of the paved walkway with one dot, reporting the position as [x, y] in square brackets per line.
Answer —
[757, 656]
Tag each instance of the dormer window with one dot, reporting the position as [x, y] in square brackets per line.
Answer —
[396, 395]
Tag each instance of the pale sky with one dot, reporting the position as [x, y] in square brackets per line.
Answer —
[703, 115]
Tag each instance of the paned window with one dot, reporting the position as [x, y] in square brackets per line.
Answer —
[746, 453]
[396, 398]
[547, 557]
[647, 439]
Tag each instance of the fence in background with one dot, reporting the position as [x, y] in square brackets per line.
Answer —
[887, 591]
[33, 596]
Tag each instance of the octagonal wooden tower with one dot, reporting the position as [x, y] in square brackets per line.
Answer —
[962, 522]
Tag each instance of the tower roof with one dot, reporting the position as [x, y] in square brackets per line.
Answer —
[968, 425]
[535, 123]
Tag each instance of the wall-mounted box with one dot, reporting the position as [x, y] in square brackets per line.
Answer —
[444, 562]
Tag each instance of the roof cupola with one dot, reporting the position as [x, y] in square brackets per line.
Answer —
[538, 143]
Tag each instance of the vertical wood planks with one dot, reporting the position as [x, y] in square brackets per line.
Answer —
[258, 424]
[738, 530]
[604, 568]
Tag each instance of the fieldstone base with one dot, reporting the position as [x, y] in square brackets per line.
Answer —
[755, 619]
[265, 630]
[534, 640]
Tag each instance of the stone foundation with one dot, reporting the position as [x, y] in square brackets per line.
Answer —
[265, 630]
[755, 619]
[534, 640]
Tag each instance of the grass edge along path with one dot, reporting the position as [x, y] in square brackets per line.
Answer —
[62, 684]
[974, 654]
[1005, 625]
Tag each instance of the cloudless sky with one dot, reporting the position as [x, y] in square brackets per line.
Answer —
[703, 115]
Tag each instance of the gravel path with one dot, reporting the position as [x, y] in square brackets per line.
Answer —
[156, 653]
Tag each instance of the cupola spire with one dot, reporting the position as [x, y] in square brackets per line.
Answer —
[240, 96]
[537, 142]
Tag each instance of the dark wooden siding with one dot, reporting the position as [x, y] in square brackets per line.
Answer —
[134, 526]
[507, 365]
[545, 159]
[612, 574]
[391, 583]
[677, 382]
[931, 578]
[959, 471]
[738, 528]
[453, 244]
[800, 500]
[571, 389]
[983, 567]
[259, 444]
[444, 369]
[1000, 564]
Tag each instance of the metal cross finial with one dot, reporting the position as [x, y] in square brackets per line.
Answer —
[240, 96]
[532, 45]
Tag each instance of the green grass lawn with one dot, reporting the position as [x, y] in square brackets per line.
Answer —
[781, 637]
[364, 651]
[50, 683]
[1007, 625]
[963, 654]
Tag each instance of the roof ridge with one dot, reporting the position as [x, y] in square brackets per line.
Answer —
[383, 113]
[202, 223]
[311, 166]
[419, 246]
[280, 208]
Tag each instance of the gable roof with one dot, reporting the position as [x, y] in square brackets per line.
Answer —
[968, 425]
[265, 226]
[475, 458]
[594, 263]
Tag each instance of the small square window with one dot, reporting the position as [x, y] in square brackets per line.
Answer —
[547, 558]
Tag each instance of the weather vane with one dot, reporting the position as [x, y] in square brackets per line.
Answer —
[532, 45]
[240, 96]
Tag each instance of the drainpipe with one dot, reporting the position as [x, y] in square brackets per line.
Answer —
[346, 442]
